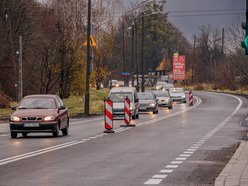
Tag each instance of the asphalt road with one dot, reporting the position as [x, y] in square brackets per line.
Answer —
[182, 146]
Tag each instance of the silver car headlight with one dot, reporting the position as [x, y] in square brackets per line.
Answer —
[152, 104]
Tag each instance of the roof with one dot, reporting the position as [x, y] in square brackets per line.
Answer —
[41, 95]
[123, 89]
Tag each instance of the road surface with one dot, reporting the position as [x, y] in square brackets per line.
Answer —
[188, 145]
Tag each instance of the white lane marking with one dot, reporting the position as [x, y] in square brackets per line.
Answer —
[45, 150]
[168, 116]
[171, 166]
[159, 176]
[185, 155]
[4, 135]
[176, 162]
[153, 181]
[166, 171]
[204, 139]
[191, 149]
[187, 152]
[194, 147]
[182, 159]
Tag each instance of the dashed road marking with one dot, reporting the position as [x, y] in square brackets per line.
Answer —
[153, 181]
[176, 162]
[171, 166]
[181, 159]
[185, 155]
[166, 171]
[160, 176]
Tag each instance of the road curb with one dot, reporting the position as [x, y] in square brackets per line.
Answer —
[232, 172]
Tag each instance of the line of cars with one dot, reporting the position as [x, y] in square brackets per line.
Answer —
[148, 101]
[46, 113]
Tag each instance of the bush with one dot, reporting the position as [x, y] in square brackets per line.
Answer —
[4, 101]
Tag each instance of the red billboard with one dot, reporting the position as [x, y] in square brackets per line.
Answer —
[178, 67]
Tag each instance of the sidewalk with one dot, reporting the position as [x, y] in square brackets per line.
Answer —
[235, 172]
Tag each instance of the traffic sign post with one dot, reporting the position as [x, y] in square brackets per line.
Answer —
[108, 116]
[244, 43]
[127, 113]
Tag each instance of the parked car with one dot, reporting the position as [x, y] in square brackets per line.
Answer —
[118, 95]
[148, 102]
[164, 98]
[39, 113]
[177, 94]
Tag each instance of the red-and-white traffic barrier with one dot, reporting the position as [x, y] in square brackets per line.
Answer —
[108, 116]
[127, 117]
[191, 98]
[127, 113]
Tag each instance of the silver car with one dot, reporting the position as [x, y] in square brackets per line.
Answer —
[164, 98]
[177, 94]
[148, 102]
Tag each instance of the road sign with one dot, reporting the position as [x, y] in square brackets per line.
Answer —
[92, 42]
[125, 73]
[178, 67]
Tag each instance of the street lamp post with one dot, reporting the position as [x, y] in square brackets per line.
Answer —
[123, 52]
[20, 69]
[136, 56]
[142, 54]
[87, 89]
[132, 73]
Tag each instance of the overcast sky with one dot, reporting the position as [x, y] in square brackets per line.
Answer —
[189, 24]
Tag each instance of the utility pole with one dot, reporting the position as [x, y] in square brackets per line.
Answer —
[136, 56]
[132, 72]
[142, 54]
[123, 52]
[222, 43]
[20, 69]
[87, 89]
[193, 62]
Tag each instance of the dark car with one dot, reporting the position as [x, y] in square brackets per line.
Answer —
[39, 113]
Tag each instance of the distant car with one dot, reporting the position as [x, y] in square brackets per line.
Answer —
[167, 86]
[160, 85]
[39, 113]
[148, 102]
[164, 98]
[177, 94]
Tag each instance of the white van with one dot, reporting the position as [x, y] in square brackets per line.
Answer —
[118, 95]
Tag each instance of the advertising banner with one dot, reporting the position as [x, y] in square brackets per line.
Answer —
[178, 67]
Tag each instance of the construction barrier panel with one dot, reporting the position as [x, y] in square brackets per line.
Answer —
[108, 116]
[127, 113]
[127, 117]
[191, 98]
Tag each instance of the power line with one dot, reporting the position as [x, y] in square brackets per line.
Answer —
[210, 10]
[200, 15]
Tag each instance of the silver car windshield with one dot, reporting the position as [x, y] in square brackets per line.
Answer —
[145, 96]
[120, 96]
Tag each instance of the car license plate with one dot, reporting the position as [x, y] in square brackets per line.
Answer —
[31, 125]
